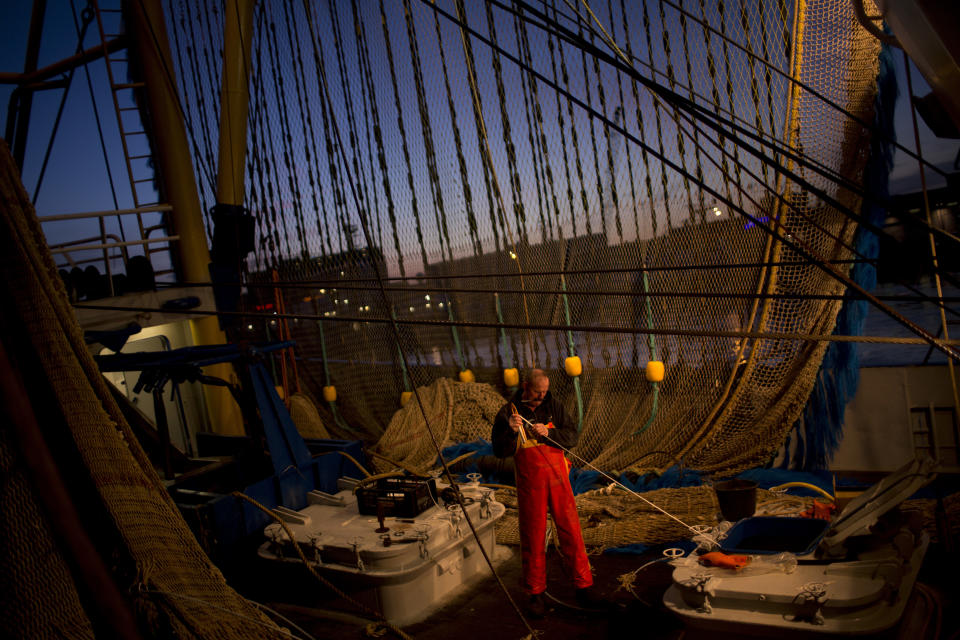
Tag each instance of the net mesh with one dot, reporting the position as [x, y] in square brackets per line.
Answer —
[565, 207]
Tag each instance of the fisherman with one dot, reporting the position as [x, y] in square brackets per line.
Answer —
[534, 428]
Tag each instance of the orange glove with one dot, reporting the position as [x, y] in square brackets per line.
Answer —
[724, 561]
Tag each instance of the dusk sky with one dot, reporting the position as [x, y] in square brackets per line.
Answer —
[76, 179]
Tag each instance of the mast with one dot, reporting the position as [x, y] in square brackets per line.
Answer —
[176, 168]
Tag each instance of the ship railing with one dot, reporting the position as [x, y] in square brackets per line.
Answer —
[110, 246]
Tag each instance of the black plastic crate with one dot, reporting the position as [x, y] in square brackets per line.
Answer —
[398, 497]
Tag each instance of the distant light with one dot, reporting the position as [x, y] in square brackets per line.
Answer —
[426, 297]
[345, 301]
[250, 327]
[717, 212]
[273, 323]
[341, 274]
[411, 309]
[428, 305]
[513, 256]
[326, 314]
[323, 290]
[366, 308]
[440, 305]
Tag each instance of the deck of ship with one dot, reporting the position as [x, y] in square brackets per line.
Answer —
[481, 611]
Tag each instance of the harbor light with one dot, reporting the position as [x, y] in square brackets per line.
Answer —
[717, 211]
[513, 256]
[427, 297]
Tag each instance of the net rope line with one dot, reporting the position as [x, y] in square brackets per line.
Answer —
[787, 77]
[716, 122]
[939, 301]
[487, 155]
[721, 148]
[778, 230]
[804, 337]
[621, 485]
[395, 327]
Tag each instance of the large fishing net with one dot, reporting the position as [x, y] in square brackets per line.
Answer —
[514, 183]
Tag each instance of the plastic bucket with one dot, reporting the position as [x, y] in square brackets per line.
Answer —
[737, 498]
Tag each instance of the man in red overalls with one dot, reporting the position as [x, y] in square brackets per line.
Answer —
[533, 427]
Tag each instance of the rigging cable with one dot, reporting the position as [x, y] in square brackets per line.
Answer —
[403, 136]
[311, 154]
[436, 192]
[794, 243]
[366, 70]
[436, 445]
[363, 194]
[944, 346]
[714, 121]
[536, 162]
[933, 245]
[487, 156]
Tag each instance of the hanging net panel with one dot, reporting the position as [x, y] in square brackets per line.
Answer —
[450, 186]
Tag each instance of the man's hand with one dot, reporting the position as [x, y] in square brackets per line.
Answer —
[515, 422]
[540, 428]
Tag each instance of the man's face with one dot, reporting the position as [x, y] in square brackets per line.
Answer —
[535, 391]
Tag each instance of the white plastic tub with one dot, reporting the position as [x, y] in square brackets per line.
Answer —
[428, 558]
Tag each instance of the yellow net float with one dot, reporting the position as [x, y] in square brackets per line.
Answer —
[655, 371]
[511, 377]
[467, 376]
[405, 398]
[330, 393]
[573, 366]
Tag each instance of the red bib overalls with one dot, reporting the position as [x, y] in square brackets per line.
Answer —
[542, 482]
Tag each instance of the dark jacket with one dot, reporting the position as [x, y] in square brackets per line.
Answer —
[550, 410]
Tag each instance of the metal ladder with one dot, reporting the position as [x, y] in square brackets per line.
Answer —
[131, 138]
